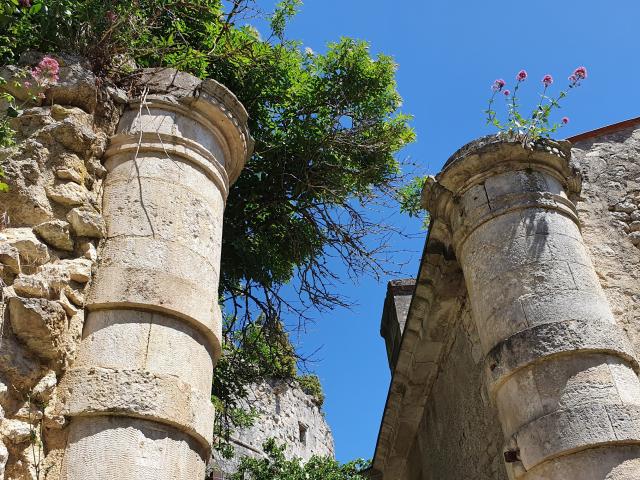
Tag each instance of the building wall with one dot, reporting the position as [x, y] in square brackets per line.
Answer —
[285, 413]
[610, 215]
[459, 435]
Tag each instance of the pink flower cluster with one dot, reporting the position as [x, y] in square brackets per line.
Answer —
[46, 72]
[537, 126]
[498, 85]
[579, 73]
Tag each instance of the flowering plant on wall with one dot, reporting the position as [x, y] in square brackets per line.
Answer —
[33, 83]
[527, 129]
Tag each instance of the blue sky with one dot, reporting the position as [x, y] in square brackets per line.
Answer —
[449, 52]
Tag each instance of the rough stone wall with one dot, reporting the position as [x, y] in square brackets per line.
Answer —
[459, 435]
[285, 413]
[51, 229]
[610, 216]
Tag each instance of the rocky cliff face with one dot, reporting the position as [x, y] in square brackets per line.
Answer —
[51, 228]
[286, 413]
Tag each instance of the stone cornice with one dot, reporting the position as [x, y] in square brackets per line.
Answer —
[465, 173]
[210, 99]
[490, 155]
[426, 339]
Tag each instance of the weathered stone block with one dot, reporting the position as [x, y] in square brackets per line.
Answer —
[40, 324]
[69, 194]
[86, 223]
[56, 233]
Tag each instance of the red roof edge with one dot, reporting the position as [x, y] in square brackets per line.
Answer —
[604, 130]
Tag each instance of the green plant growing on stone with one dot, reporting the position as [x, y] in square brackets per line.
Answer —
[36, 433]
[310, 384]
[261, 350]
[537, 125]
[276, 467]
[32, 83]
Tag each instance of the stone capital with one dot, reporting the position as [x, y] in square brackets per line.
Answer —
[177, 114]
[491, 176]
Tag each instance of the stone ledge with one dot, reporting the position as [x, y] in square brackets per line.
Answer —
[494, 153]
[490, 156]
[547, 340]
[155, 291]
[599, 463]
[569, 431]
[138, 394]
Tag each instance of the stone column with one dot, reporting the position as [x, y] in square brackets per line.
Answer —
[139, 391]
[561, 371]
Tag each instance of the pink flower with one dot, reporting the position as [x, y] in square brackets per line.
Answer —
[573, 78]
[547, 80]
[580, 72]
[50, 64]
[522, 75]
[46, 73]
[27, 84]
[507, 93]
[565, 120]
[111, 16]
[498, 85]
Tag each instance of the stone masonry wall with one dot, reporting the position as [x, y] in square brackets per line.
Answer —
[610, 215]
[51, 228]
[285, 413]
[459, 435]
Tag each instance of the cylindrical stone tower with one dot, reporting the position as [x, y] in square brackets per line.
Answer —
[139, 391]
[561, 371]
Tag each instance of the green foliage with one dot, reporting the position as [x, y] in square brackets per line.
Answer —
[7, 134]
[3, 186]
[409, 197]
[310, 384]
[261, 350]
[277, 467]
